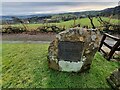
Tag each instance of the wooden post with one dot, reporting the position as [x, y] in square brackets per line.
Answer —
[74, 21]
[102, 41]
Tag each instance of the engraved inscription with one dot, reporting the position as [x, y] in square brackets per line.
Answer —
[70, 51]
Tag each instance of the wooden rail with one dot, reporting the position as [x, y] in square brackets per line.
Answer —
[113, 48]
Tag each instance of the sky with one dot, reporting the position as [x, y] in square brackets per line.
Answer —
[12, 7]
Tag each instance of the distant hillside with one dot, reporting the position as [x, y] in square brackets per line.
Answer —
[105, 12]
[24, 16]
[115, 10]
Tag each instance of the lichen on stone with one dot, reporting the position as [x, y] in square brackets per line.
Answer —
[90, 38]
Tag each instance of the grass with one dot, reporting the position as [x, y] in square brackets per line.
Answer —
[68, 24]
[26, 66]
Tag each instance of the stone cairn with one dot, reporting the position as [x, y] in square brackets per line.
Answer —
[73, 49]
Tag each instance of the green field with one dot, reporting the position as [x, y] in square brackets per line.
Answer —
[68, 24]
[26, 66]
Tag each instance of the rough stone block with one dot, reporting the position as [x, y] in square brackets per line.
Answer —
[73, 49]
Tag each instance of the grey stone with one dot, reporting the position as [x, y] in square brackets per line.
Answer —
[73, 57]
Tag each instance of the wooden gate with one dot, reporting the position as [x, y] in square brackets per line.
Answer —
[113, 48]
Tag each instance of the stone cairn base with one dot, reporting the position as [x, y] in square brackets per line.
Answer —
[114, 79]
[73, 49]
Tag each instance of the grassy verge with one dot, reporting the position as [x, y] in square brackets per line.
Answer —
[26, 66]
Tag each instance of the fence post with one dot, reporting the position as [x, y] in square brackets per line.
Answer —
[104, 36]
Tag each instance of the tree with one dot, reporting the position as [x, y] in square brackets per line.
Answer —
[21, 21]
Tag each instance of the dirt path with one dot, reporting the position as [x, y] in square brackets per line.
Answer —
[27, 37]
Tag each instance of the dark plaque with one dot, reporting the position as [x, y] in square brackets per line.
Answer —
[70, 51]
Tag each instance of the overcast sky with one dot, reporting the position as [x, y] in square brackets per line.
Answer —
[28, 8]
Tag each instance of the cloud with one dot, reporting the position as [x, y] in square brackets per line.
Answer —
[27, 8]
[60, 1]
